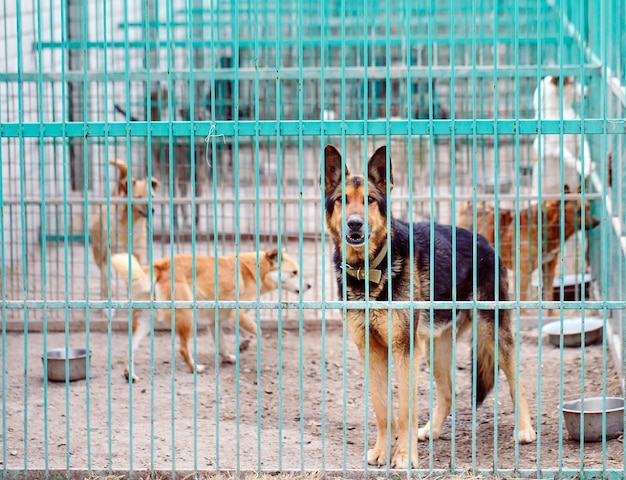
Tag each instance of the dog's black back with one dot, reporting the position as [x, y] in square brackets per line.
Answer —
[439, 272]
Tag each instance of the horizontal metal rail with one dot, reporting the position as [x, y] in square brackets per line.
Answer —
[271, 128]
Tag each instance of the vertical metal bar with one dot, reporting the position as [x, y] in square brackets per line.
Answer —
[86, 174]
[475, 365]
[601, 34]
[539, 47]
[323, 260]
[107, 193]
[150, 34]
[496, 176]
[22, 188]
[518, 345]
[257, 223]
[194, 34]
[44, 289]
[366, 226]
[211, 142]
[299, 40]
[278, 92]
[390, 312]
[431, 30]
[235, 24]
[344, 292]
[3, 276]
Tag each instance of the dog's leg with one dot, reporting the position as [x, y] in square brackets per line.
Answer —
[246, 322]
[407, 403]
[141, 328]
[506, 350]
[185, 332]
[525, 274]
[442, 373]
[220, 341]
[549, 272]
[378, 378]
[105, 283]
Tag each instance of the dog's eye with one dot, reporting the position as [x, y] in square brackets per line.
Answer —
[294, 273]
[370, 199]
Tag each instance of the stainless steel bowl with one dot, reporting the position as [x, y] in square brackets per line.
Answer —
[592, 422]
[77, 359]
[571, 332]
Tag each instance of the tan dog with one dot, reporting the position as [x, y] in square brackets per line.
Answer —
[269, 262]
[529, 242]
[112, 226]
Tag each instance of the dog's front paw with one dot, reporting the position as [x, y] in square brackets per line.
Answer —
[401, 459]
[526, 436]
[376, 456]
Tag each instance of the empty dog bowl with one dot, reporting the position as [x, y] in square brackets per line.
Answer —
[78, 358]
[571, 333]
[592, 422]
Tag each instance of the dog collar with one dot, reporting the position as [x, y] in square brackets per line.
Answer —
[373, 274]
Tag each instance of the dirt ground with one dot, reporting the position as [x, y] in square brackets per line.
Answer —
[295, 401]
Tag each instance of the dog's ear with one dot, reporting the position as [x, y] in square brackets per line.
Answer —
[272, 255]
[155, 183]
[566, 188]
[554, 80]
[377, 168]
[332, 168]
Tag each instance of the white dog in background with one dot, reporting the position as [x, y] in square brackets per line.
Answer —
[573, 148]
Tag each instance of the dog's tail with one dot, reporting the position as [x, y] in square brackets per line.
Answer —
[493, 334]
[140, 279]
[121, 166]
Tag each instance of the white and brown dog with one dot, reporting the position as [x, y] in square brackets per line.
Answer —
[236, 280]
[553, 100]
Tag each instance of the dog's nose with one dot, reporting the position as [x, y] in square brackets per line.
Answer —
[355, 223]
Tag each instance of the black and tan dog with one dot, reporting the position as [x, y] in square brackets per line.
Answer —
[389, 237]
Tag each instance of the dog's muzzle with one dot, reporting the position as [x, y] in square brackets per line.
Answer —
[355, 231]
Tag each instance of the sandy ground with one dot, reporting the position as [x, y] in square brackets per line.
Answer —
[294, 401]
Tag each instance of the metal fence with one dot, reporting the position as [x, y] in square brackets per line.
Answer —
[229, 105]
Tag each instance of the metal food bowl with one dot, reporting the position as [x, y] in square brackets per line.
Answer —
[78, 358]
[593, 408]
[571, 333]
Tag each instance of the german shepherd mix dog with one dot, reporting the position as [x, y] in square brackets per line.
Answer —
[350, 235]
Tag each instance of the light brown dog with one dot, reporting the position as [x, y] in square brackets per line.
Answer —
[109, 229]
[529, 242]
[274, 267]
